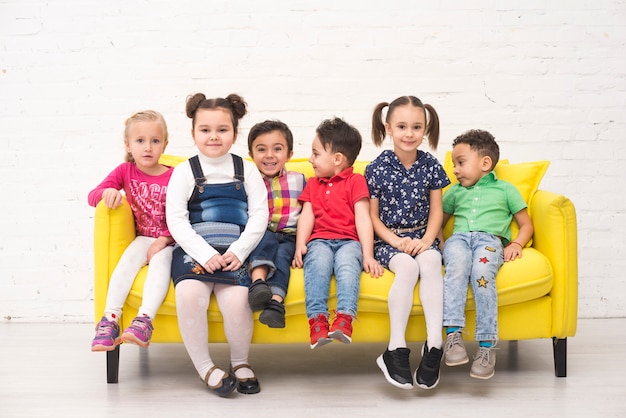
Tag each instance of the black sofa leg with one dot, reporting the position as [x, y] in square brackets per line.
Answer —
[113, 365]
[560, 356]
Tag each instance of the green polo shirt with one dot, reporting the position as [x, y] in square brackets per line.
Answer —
[487, 206]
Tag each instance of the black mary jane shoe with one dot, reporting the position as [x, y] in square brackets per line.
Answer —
[249, 385]
[259, 294]
[226, 386]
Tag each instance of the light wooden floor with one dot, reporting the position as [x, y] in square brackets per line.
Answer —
[47, 370]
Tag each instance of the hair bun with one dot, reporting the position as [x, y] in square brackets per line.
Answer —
[239, 106]
[193, 102]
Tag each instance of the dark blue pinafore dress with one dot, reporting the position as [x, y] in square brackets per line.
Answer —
[217, 212]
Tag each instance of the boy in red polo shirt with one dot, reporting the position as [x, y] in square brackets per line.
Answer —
[334, 232]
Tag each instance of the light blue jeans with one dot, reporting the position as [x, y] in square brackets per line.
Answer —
[344, 257]
[477, 257]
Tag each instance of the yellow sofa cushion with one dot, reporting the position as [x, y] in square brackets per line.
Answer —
[517, 281]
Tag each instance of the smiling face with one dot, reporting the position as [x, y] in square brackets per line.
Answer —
[213, 132]
[469, 166]
[324, 162]
[406, 126]
[270, 152]
[146, 144]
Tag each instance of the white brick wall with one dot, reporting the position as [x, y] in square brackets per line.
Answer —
[548, 80]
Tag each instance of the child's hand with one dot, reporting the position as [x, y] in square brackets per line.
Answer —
[402, 243]
[156, 246]
[298, 257]
[232, 261]
[512, 251]
[422, 245]
[414, 246]
[373, 267]
[112, 198]
[215, 263]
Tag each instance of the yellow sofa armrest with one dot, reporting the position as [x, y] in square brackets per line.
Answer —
[555, 236]
[114, 230]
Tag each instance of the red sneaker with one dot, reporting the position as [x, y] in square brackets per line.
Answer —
[319, 331]
[341, 330]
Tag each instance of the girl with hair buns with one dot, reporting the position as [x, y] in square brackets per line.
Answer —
[217, 212]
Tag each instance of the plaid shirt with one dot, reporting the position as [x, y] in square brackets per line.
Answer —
[282, 198]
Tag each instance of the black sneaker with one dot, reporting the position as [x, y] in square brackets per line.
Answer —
[273, 315]
[259, 295]
[396, 368]
[427, 374]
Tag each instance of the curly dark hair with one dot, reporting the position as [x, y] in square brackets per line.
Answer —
[482, 142]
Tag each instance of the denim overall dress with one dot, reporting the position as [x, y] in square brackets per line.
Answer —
[217, 212]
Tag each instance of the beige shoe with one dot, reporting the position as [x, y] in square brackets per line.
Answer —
[455, 353]
[484, 364]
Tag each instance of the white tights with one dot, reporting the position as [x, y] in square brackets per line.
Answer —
[157, 280]
[192, 303]
[426, 266]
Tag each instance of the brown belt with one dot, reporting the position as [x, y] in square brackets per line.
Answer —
[406, 230]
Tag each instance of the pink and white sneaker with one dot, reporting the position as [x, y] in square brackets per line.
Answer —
[139, 332]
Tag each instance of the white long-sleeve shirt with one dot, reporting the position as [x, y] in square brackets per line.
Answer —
[216, 170]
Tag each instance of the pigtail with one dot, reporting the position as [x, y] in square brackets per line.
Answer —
[432, 127]
[378, 127]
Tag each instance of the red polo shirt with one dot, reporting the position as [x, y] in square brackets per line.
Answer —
[333, 200]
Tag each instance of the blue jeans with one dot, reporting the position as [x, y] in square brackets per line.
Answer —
[275, 251]
[475, 257]
[344, 257]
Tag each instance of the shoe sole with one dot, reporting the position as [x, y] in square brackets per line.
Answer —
[457, 363]
[381, 365]
[132, 339]
[476, 376]
[340, 336]
[423, 385]
[322, 341]
[100, 347]
[272, 322]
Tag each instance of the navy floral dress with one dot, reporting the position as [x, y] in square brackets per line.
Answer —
[403, 195]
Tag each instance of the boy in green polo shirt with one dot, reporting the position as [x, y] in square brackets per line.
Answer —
[483, 207]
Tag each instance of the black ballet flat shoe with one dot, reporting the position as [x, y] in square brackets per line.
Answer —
[247, 386]
[259, 294]
[273, 315]
[226, 386]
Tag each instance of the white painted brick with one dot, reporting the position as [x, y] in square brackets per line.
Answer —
[547, 79]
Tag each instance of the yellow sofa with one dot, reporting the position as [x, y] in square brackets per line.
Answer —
[538, 294]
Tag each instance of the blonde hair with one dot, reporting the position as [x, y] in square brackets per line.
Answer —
[143, 116]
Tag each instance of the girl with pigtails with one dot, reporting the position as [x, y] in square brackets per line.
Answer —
[405, 187]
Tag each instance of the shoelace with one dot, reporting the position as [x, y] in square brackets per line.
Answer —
[400, 358]
[483, 355]
[431, 360]
[455, 340]
[142, 325]
[105, 329]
